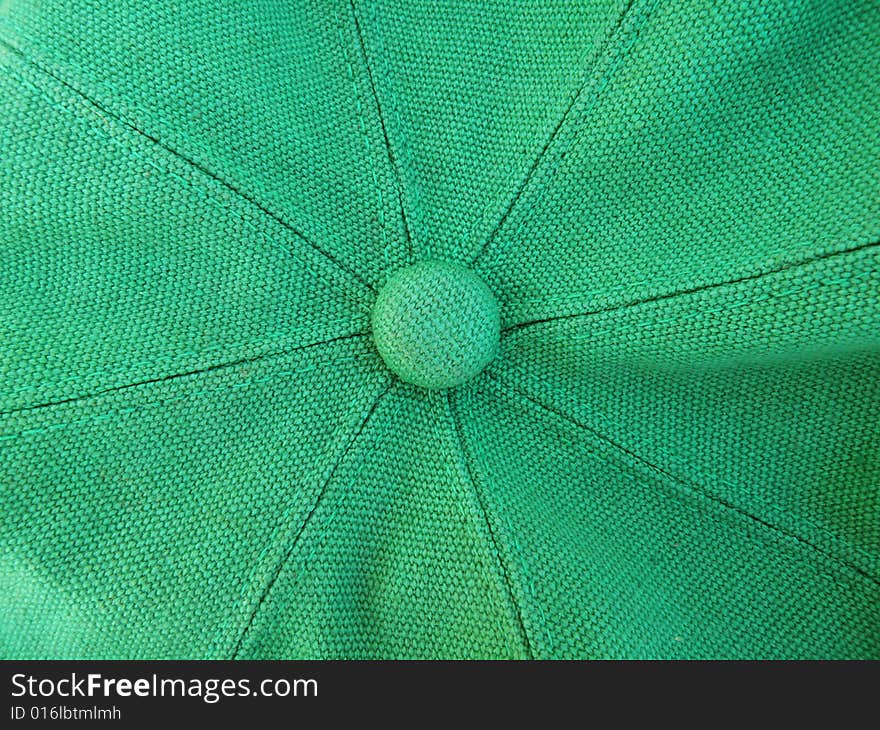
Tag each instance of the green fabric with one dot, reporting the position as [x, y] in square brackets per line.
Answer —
[436, 324]
[674, 450]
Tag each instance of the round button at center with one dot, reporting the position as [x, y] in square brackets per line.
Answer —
[436, 324]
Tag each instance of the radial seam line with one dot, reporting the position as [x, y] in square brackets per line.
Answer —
[282, 560]
[505, 573]
[232, 187]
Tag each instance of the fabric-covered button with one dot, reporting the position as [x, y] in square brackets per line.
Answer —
[436, 324]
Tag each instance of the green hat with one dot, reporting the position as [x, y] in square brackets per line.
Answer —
[383, 329]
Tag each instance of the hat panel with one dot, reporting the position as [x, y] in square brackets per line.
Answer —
[711, 143]
[612, 557]
[397, 560]
[470, 94]
[123, 263]
[138, 523]
[764, 391]
[271, 98]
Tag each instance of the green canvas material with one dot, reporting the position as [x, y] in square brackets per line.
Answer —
[658, 221]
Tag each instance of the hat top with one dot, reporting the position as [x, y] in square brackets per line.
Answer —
[436, 324]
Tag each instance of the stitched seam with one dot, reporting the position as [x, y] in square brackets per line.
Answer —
[693, 488]
[307, 559]
[366, 141]
[562, 299]
[499, 189]
[675, 461]
[174, 376]
[106, 88]
[689, 468]
[717, 518]
[680, 317]
[410, 200]
[483, 553]
[467, 472]
[615, 47]
[103, 86]
[184, 396]
[173, 357]
[276, 537]
[389, 150]
[718, 285]
[122, 123]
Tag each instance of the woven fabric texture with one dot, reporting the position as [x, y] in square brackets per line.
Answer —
[674, 452]
[436, 324]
